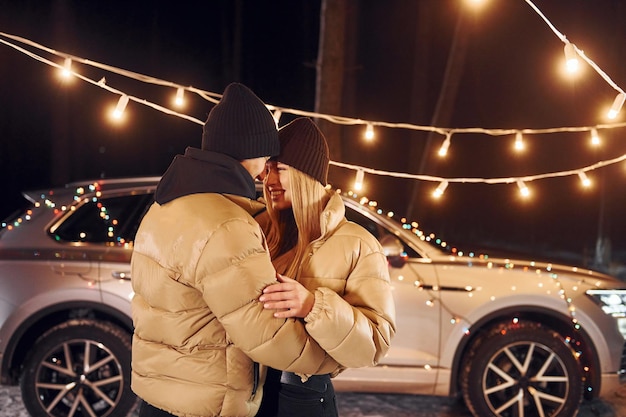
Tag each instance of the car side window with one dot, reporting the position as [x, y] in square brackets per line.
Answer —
[378, 231]
[111, 220]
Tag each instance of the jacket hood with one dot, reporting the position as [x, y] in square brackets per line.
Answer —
[200, 171]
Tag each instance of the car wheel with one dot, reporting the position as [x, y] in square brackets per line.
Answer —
[79, 368]
[522, 370]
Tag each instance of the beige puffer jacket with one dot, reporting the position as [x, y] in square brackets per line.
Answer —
[198, 268]
[353, 317]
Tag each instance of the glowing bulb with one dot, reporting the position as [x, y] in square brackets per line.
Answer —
[571, 58]
[617, 106]
[369, 132]
[66, 72]
[476, 3]
[121, 106]
[519, 142]
[440, 189]
[443, 151]
[584, 179]
[595, 139]
[358, 181]
[523, 189]
[180, 97]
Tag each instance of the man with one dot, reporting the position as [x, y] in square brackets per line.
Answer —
[199, 265]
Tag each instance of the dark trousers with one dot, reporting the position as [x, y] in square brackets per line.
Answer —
[284, 395]
[146, 410]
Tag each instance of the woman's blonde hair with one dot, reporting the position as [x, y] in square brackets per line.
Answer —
[291, 231]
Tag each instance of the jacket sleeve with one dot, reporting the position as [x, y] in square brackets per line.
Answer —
[356, 328]
[231, 273]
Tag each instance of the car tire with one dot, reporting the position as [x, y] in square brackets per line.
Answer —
[522, 370]
[79, 368]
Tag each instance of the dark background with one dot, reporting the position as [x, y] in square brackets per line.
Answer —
[52, 133]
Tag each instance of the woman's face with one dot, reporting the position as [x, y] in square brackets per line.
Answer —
[277, 184]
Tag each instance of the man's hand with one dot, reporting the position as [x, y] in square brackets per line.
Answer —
[288, 297]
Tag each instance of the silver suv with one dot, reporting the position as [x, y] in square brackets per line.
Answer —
[513, 338]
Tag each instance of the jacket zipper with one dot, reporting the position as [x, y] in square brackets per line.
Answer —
[255, 382]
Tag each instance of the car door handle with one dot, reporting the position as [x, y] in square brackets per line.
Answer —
[121, 275]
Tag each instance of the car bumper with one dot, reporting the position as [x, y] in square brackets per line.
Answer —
[612, 384]
[615, 382]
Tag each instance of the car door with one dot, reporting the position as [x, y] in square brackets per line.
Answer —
[105, 228]
[413, 359]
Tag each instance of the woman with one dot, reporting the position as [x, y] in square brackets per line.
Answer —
[341, 281]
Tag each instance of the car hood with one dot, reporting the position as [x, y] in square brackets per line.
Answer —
[538, 268]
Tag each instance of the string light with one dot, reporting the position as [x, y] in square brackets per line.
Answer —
[66, 72]
[179, 100]
[443, 151]
[617, 105]
[519, 142]
[440, 189]
[491, 181]
[476, 3]
[523, 189]
[214, 97]
[358, 181]
[571, 58]
[121, 106]
[369, 132]
[595, 138]
[584, 179]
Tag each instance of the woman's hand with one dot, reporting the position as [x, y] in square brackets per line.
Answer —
[288, 297]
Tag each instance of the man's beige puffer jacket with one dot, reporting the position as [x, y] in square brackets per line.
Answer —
[199, 265]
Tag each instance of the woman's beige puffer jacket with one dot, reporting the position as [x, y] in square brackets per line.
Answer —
[198, 324]
[353, 317]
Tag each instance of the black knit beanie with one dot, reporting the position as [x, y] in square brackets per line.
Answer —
[240, 126]
[303, 146]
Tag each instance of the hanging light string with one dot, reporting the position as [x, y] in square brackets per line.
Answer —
[101, 83]
[563, 39]
[214, 97]
[446, 132]
[502, 180]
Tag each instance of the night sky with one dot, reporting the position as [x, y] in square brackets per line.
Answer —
[52, 133]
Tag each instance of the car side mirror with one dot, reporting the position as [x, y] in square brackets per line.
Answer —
[393, 250]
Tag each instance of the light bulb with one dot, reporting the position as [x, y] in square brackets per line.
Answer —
[121, 106]
[358, 181]
[519, 142]
[440, 189]
[595, 139]
[443, 151]
[617, 106]
[180, 97]
[66, 72]
[584, 179]
[523, 189]
[571, 58]
[369, 132]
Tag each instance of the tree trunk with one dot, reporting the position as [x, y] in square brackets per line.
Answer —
[330, 69]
